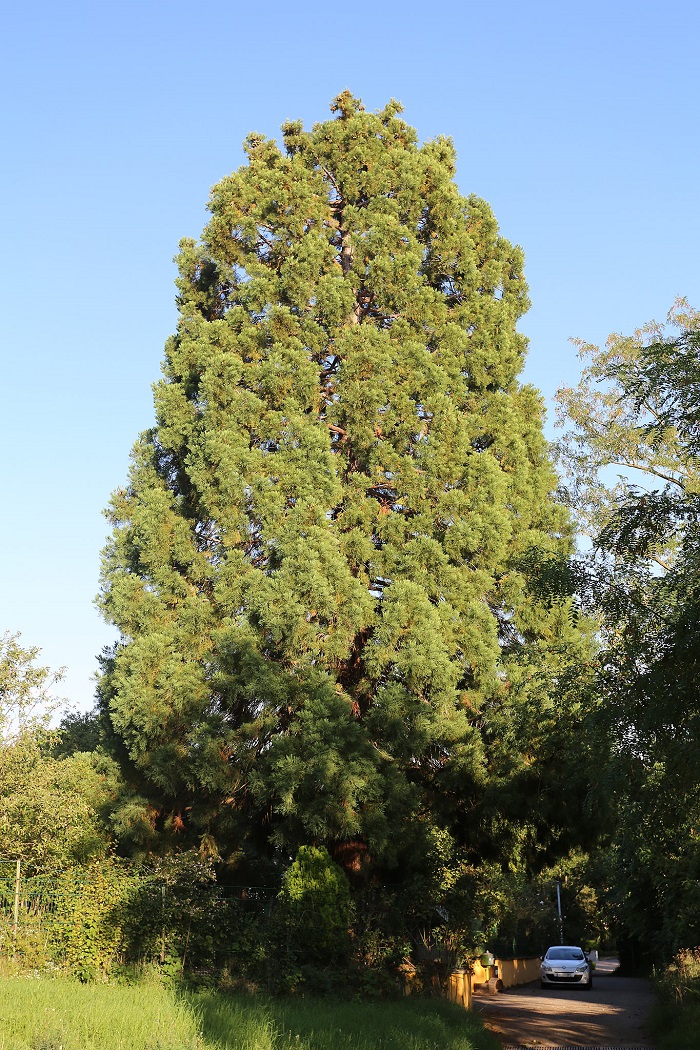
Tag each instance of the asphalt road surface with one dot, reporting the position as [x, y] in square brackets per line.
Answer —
[614, 1013]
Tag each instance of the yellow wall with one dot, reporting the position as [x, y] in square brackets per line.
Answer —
[459, 989]
[510, 971]
[518, 971]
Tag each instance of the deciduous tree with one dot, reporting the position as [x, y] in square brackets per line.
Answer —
[27, 697]
[49, 805]
[644, 569]
[625, 439]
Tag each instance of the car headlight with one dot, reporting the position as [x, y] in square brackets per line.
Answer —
[581, 969]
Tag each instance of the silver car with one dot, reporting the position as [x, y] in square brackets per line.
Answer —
[565, 965]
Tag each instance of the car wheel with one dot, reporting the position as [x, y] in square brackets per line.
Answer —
[589, 985]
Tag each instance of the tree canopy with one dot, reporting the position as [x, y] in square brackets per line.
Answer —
[328, 566]
[27, 697]
[630, 434]
[643, 578]
[49, 802]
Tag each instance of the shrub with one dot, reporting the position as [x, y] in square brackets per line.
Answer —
[312, 916]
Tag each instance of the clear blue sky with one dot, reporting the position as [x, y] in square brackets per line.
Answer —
[577, 122]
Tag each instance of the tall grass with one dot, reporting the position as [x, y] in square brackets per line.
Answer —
[307, 1024]
[676, 1020]
[60, 1014]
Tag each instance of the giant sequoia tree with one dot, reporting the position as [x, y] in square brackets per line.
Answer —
[320, 568]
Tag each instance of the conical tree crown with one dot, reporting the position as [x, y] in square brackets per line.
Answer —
[314, 568]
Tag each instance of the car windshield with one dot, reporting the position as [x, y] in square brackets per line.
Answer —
[567, 954]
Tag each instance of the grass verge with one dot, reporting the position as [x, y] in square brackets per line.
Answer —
[675, 1023]
[60, 1014]
[676, 1027]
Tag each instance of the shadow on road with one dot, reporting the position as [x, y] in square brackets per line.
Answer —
[614, 1013]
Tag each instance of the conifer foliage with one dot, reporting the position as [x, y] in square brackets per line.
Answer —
[316, 568]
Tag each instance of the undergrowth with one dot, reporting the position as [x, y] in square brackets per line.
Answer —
[676, 1019]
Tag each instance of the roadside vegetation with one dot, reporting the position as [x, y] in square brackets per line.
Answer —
[676, 1019]
[63, 1014]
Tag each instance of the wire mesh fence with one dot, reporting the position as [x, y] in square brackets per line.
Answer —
[115, 913]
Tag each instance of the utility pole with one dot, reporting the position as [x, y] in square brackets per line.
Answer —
[561, 921]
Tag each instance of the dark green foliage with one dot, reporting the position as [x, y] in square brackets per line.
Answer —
[323, 567]
[669, 373]
[643, 577]
[79, 731]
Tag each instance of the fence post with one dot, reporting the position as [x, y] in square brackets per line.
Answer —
[162, 919]
[15, 920]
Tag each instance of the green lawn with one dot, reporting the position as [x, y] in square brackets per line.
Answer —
[60, 1014]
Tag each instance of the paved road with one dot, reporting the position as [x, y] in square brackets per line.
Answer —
[613, 1014]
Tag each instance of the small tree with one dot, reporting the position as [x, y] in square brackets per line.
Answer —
[313, 909]
[49, 805]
